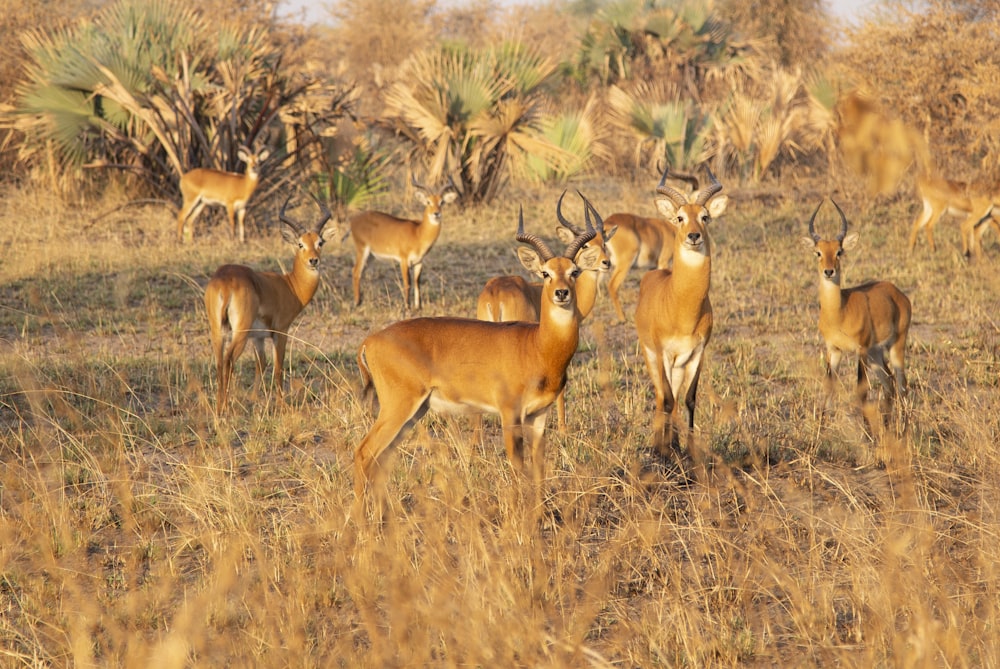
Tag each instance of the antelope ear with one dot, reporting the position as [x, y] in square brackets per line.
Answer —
[850, 241]
[717, 205]
[666, 207]
[807, 242]
[589, 258]
[530, 260]
[449, 197]
[422, 197]
[330, 230]
[243, 154]
[564, 234]
[289, 235]
[608, 233]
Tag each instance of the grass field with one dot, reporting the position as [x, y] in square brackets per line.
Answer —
[137, 529]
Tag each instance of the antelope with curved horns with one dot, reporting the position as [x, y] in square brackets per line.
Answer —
[870, 319]
[511, 298]
[202, 186]
[643, 242]
[403, 240]
[455, 365]
[243, 303]
[673, 317]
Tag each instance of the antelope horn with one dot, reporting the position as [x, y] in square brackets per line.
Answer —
[562, 219]
[587, 211]
[419, 185]
[673, 194]
[843, 221]
[713, 188]
[288, 221]
[318, 228]
[543, 251]
[812, 222]
[582, 237]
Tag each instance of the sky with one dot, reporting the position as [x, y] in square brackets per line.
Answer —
[317, 10]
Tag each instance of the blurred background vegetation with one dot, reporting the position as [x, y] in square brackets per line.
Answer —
[135, 92]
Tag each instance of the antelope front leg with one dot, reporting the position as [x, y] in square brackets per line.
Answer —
[404, 269]
[417, 267]
[664, 402]
[536, 435]
[829, 384]
[513, 439]
[280, 340]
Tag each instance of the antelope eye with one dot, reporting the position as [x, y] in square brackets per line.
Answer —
[840, 252]
[818, 254]
[546, 274]
[575, 273]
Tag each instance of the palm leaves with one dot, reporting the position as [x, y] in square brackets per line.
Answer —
[662, 123]
[153, 89]
[474, 113]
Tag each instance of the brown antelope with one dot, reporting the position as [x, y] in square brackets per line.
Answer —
[242, 303]
[941, 196]
[870, 319]
[673, 317]
[642, 242]
[203, 186]
[456, 365]
[403, 240]
[511, 298]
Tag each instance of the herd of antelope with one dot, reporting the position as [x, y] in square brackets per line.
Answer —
[512, 358]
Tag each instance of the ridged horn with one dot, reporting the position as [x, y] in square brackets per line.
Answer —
[543, 251]
[710, 190]
[812, 223]
[673, 194]
[583, 236]
[843, 221]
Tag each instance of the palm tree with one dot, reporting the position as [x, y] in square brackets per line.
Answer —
[154, 89]
[474, 113]
[663, 124]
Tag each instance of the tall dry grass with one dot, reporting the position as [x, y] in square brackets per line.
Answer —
[136, 529]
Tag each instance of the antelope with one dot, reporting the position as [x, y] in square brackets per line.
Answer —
[456, 365]
[641, 242]
[511, 298]
[243, 303]
[403, 240]
[202, 186]
[673, 317]
[870, 319]
[941, 196]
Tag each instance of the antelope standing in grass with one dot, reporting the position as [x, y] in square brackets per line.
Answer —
[243, 303]
[673, 317]
[202, 186]
[871, 319]
[456, 365]
[403, 240]
[642, 242]
[511, 298]
[940, 196]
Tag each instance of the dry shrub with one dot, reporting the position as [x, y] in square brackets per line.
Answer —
[936, 66]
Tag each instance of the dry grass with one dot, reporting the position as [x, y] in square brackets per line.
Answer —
[136, 529]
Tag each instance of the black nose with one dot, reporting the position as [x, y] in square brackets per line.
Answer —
[828, 273]
[694, 237]
[562, 294]
[314, 262]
